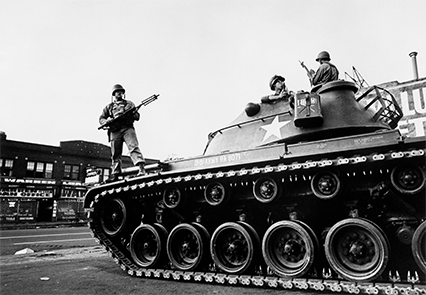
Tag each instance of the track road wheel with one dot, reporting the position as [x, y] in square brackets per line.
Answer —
[172, 198]
[408, 179]
[289, 248]
[325, 185]
[113, 216]
[357, 249]
[266, 189]
[187, 246]
[215, 194]
[418, 246]
[233, 246]
[147, 245]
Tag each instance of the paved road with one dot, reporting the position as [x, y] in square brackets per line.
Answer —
[69, 261]
[90, 271]
[44, 239]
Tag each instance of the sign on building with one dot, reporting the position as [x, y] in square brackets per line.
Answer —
[411, 98]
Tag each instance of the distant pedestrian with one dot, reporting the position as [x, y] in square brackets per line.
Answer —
[122, 131]
[277, 84]
[326, 72]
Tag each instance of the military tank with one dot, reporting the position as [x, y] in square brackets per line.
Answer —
[318, 193]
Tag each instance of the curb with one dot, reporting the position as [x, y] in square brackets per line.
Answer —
[12, 226]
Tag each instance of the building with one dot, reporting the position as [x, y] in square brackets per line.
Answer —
[48, 183]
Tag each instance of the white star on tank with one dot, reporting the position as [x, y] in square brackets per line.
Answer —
[273, 129]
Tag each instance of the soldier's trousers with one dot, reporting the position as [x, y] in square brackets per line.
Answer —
[125, 135]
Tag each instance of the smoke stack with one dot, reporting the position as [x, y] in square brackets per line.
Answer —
[414, 61]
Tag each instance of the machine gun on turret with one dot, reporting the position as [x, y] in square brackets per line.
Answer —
[132, 110]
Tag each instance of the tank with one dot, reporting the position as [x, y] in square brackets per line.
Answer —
[317, 193]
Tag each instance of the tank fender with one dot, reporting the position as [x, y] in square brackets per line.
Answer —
[90, 197]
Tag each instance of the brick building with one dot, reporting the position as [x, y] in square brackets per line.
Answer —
[48, 183]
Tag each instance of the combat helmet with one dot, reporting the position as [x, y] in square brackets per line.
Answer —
[117, 87]
[323, 55]
[274, 80]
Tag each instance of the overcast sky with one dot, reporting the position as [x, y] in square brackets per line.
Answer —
[207, 59]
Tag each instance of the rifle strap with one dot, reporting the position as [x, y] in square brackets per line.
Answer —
[110, 109]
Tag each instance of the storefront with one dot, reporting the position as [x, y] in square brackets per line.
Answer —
[70, 205]
[26, 200]
[48, 183]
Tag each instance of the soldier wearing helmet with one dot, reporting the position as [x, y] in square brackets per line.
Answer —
[326, 72]
[281, 91]
[122, 131]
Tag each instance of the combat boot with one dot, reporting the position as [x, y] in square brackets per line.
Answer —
[142, 171]
[112, 178]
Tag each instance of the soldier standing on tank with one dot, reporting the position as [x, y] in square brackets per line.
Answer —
[326, 72]
[122, 131]
[281, 91]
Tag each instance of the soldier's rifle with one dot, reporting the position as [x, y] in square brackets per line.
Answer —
[129, 111]
[310, 73]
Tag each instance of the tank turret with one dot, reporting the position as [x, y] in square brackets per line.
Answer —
[332, 111]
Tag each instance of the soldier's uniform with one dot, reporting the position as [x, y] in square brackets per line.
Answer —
[326, 72]
[280, 92]
[122, 131]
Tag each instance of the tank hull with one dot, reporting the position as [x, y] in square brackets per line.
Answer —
[345, 214]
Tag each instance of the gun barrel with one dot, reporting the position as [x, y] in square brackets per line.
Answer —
[308, 72]
[150, 99]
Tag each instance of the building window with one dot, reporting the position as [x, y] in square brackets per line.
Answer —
[6, 166]
[71, 172]
[67, 172]
[30, 169]
[75, 172]
[49, 170]
[39, 169]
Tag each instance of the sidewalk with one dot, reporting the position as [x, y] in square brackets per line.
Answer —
[47, 224]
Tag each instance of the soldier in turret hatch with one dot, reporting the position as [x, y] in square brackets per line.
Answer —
[326, 72]
[281, 91]
[122, 130]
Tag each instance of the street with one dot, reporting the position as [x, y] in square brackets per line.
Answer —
[90, 271]
[45, 239]
[67, 262]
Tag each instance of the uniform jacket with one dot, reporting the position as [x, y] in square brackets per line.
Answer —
[326, 72]
[114, 110]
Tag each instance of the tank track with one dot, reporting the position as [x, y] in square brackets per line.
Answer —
[327, 280]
